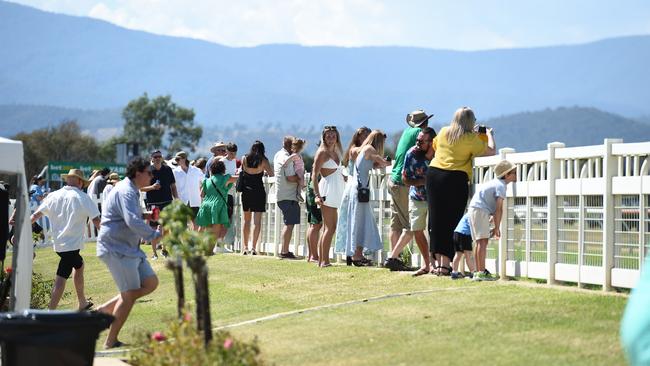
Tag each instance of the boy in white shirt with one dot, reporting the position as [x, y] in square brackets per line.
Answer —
[486, 202]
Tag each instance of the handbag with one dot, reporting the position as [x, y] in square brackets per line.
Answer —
[363, 193]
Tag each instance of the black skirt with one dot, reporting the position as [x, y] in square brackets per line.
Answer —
[447, 193]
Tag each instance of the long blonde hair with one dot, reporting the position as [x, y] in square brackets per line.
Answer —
[376, 139]
[462, 123]
[338, 149]
[355, 142]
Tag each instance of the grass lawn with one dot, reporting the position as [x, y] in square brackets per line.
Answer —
[455, 322]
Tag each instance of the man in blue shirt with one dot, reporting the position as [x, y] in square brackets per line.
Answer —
[118, 246]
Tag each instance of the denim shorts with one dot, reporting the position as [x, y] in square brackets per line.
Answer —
[128, 272]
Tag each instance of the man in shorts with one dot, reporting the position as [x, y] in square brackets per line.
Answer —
[118, 246]
[399, 192]
[286, 184]
[415, 167]
[69, 209]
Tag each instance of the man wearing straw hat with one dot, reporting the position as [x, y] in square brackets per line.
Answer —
[68, 210]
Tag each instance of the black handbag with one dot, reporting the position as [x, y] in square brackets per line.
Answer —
[363, 193]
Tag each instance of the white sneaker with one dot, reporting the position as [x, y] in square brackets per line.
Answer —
[227, 249]
[217, 249]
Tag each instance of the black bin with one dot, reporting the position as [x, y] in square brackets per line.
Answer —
[51, 338]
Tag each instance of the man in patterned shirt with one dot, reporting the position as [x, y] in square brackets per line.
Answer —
[416, 162]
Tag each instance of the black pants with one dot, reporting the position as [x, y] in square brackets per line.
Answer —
[447, 193]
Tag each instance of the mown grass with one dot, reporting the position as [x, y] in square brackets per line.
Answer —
[458, 322]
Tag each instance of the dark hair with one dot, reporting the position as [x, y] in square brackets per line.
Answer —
[218, 168]
[36, 178]
[200, 163]
[155, 151]
[137, 164]
[429, 131]
[105, 171]
[256, 156]
[287, 141]
[232, 147]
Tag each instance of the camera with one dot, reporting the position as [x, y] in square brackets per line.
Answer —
[482, 129]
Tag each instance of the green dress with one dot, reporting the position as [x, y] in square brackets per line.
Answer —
[214, 208]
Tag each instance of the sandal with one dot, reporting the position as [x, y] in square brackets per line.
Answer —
[447, 271]
[117, 344]
[420, 272]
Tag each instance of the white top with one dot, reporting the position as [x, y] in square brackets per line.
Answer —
[188, 185]
[285, 190]
[91, 186]
[231, 168]
[68, 210]
[486, 195]
[105, 192]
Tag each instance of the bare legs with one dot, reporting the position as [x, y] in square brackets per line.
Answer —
[120, 306]
[394, 238]
[257, 228]
[313, 235]
[468, 260]
[330, 216]
[59, 287]
[481, 249]
[420, 240]
[287, 231]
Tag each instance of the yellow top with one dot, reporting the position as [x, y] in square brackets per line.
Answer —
[458, 156]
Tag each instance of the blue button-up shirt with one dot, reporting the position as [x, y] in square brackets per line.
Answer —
[122, 225]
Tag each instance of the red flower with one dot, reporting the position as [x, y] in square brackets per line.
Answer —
[227, 343]
[8, 270]
[187, 317]
[158, 336]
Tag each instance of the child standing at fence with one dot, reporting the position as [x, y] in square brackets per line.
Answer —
[297, 145]
[463, 246]
[486, 202]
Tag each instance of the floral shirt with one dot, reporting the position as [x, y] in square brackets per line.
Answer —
[416, 169]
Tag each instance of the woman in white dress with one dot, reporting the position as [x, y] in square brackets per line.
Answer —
[329, 191]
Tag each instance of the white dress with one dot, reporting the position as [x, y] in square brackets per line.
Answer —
[331, 187]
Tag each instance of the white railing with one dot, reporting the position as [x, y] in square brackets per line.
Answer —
[579, 214]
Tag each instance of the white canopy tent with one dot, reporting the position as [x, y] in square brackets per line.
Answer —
[12, 162]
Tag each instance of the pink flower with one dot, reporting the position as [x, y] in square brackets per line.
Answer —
[8, 270]
[187, 317]
[158, 336]
[227, 343]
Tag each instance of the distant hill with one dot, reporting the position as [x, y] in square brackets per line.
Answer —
[77, 62]
[575, 126]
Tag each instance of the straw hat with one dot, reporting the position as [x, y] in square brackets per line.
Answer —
[76, 173]
[417, 118]
[504, 167]
[217, 146]
[113, 178]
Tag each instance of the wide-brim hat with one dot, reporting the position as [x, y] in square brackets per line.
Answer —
[181, 154]
[217, 145]
[417, 118]
[76, 173]
[503, 167]
[113, 178]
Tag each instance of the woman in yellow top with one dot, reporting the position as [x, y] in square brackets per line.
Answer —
[447, 182]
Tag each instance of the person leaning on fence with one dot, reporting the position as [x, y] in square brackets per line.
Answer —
[447, 182]
[253, 195]
[118, 246]
[463, 246]
[69, 209]
[486, 202]
[213, 213]
[353, 253]
[399, 193]
[286, 184]
[416, 162]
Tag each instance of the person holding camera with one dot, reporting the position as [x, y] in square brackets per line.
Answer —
[362, 230]
[416, 162]
[447, 182]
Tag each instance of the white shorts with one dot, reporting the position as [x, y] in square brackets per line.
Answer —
[479, 223]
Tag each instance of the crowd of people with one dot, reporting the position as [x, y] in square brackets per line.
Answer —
[429, 187]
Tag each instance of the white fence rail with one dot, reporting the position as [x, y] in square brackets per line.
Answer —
[579, 214]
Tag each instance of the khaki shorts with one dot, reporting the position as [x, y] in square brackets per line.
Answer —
[479, 223]
[418, 214]
[399, 206]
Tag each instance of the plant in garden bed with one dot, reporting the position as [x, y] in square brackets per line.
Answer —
[183, 344]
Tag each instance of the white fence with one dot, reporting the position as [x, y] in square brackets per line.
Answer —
[579, 214]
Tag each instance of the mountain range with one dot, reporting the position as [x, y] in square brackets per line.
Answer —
[66, 63]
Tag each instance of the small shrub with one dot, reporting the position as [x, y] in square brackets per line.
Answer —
[182, 344]
[41, 291]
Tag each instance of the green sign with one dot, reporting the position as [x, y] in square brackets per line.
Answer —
[56, 168]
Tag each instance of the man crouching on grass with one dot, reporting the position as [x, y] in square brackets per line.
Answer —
[68, 210]
[118, 246]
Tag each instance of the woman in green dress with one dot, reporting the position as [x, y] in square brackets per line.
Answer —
[213, 213]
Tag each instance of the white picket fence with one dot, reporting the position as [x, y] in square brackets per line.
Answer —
[577, 214]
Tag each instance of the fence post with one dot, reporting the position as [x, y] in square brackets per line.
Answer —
[503, 240]
[552, 173]
[609, 171]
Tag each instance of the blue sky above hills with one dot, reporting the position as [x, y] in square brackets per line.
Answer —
[458, 25]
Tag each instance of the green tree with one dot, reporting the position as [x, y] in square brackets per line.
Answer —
[160, 123]
[63, 142]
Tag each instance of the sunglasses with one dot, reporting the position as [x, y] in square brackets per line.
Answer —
[329, 128]
[157, 157]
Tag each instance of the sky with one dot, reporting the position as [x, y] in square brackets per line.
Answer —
[458, 24]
